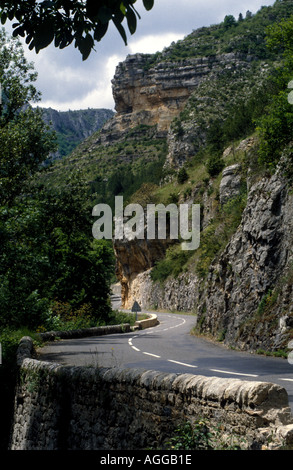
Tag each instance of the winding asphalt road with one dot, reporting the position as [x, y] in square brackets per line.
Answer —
[169, 347]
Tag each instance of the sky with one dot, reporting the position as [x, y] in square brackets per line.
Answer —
[66, 82]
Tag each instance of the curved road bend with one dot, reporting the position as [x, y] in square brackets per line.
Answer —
[169, 347]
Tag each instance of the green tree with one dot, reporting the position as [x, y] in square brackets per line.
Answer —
[215, 165]
[275, 127]
[182, 175]
[24, 138]
[47, 251]
[281, 34]
[229, 21]
[47, 255]
[215, 136]
[25, 142]
[17, 77]
[65, 21]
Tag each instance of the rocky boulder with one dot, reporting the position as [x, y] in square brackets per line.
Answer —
[230, 185]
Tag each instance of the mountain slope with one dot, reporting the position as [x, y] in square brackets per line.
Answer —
[72, 127]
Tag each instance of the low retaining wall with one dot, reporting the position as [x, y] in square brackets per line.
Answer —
[85, 332]
[86, 408]
[149, 322]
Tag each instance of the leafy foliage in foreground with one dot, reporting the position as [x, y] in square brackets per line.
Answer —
[64, 21]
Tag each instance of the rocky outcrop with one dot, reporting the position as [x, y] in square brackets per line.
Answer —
[153, 94]
[247, 298]
[178, 294]
[230, 186]
[133, 258]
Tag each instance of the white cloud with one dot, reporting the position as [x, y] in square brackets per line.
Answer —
[77, 90]
[153, 43]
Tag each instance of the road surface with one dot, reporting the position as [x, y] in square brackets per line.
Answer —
[169, 347]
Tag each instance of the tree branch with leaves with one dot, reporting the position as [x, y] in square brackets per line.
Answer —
[68, 21]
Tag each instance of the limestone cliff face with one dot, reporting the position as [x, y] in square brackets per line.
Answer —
[133, 259]
[154, 95]
[247, 298]
[180, 294]
[148, 94]
[151, 97]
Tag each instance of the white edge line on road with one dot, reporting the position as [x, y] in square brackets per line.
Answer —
[233, 373]
[135, 349]
[182, 363]
[288, 380]
[149, 354]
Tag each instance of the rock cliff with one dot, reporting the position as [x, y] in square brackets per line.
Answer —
[133, 259]
[153, 94]
[247, 298]
[161, 91]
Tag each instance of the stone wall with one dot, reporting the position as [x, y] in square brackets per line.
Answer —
[86, 408]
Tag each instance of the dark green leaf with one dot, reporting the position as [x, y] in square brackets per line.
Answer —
[3, 17]
[18, 31]
[11, 15]
[44, 34]
[104, 14]
[47, 4]
[100, 31]
[85, 45]
[92, 8]
[148, 4]
[28, 38]
[131, 21]
[121, 30]
[31, 45]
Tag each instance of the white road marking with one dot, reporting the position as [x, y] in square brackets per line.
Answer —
[135, 349]
[288, 380]
[149, 354]
[182, 363]
[233, 373]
